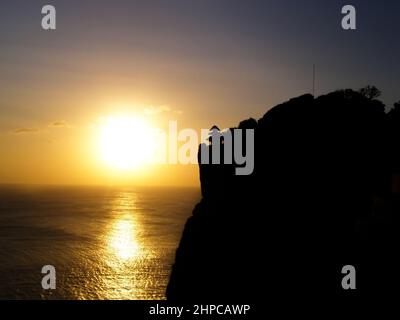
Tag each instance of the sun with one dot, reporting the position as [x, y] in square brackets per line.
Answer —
[126, 142]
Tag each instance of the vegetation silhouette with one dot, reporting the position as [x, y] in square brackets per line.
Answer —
[324, 194]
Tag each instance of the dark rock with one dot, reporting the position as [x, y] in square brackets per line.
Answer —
[322, 177]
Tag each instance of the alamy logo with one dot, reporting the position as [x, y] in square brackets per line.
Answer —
[349, 20]
[227, 147]
[349, 280]
[49, 20]
[230, 147]
[49, 280]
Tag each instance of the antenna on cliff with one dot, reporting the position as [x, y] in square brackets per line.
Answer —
[313, 80]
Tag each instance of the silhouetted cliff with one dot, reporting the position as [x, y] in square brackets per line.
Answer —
[321, 196]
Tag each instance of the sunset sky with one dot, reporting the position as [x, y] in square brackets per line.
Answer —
[197, 62]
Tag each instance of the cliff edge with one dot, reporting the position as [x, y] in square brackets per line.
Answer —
[320, 197]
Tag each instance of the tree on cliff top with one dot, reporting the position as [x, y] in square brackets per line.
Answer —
[370, 92]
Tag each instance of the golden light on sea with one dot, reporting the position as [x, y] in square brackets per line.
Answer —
[124, 251]
[122, 241]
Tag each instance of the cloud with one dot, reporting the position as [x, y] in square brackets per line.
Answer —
[59, 124]
[153, 110]
[53, 125]
[156, 109]
[25, 131]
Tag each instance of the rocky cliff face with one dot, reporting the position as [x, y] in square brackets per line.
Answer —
[319, 198]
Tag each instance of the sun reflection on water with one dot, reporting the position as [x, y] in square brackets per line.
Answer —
[125, 251]
[123, 241]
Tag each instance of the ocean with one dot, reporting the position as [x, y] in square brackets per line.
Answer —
[104, 242]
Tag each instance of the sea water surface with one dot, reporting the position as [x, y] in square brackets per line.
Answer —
[105, 242]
